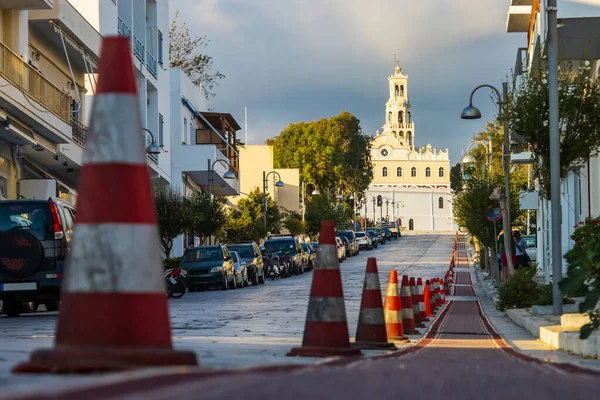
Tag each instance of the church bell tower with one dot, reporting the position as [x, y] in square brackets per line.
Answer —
[398, 113]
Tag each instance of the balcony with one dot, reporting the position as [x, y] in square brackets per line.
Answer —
[518, 18]
[123, 29]
[153, 158]
[33, 84]
[79, 132]
[151, 64]
[26, 4]
[138, 48]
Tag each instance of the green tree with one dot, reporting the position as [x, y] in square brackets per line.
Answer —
[183, 53]
[247, 223]
[456, 179]
[319, 208]
[171, 212]
[332, 153]
[292, 221]
[205, 215]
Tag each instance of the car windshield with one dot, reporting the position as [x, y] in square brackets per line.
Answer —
[360, 234]
[304, 246]
[314, 245]
[245, 251]
[235, 257]
[347, 235]
[211, 253]
[530, 241]
[280, 246]
[33, 218]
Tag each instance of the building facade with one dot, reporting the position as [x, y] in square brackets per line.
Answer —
[411, 184]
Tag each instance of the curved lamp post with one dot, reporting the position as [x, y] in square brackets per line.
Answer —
[152, 148]
[279, 183]
[314, 192]
[211, 170]
[468, 160]
[472, 112]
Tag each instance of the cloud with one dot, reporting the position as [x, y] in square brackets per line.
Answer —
[294, 60]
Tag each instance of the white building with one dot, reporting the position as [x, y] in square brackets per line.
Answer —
[411, 184]
[578, 36]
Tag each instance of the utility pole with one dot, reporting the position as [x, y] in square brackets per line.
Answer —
[552, 45]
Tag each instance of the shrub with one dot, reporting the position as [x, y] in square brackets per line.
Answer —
[172, 262]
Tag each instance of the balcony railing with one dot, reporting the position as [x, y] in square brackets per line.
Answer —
[153, 158]
[151, 64]
[123, 29]
[138, 48]
[33, 84]
[79, 132]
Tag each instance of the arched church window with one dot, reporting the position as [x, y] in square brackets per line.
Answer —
[401, 134]
[413, 172]
[441, 172]
[400, 117]
[384, 171]
[402, 90]
[410, 139]
[390, 116]
[427, 172]
[397, 91]
[399, 171]
[408, 118]
[441, 202]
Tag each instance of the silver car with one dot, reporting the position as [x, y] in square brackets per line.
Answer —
[241, 270]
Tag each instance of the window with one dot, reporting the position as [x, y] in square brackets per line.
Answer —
[441, 172]
[397, 91]
[160, 47]
[192, 138]
[161, 126]
[427, 172]
[183, 130]
[413, 172]
[441, 202]
[402, 90]
[384, 171]
[390, 116]
[399, 171]
[75, 110]
[400, 117]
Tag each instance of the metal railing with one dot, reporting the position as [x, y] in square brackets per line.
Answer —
[153, 158]
[122, 28]
[151, 64]
[79, 132]
[34, 84]
[138, 48]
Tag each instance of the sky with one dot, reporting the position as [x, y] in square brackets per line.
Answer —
[289, 61]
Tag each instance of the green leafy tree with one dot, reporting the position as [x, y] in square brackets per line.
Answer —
[332, 153]
[171, 212]
[184, 53]
[579, 118]
[248, 223]
[292, 221]
[205, 215]
[456, 179]
[319, 208]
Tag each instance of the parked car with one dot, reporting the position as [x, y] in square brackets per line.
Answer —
[314, 245]
[287, 246]
[393, 228]
[251, 255]
[379, 234]
[37, 235]
[387, 233]
[373, 236]
[312, 254]
[364, 241]
[531, 246]
[341, 249]
[209, 266]
[354, 248]
[240, 270]
[347, 246]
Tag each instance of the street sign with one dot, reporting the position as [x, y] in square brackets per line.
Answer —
[494, 214]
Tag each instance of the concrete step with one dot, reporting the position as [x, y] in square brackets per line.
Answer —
[575, 321]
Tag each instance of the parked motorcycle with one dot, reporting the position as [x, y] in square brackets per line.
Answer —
[176, 286]
[285, 266]
[271, 264]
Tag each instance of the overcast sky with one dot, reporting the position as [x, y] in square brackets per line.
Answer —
[302, 60]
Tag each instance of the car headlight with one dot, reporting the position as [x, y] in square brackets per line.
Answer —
[216, 269]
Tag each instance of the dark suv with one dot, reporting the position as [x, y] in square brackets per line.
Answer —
[35, 237]
[250, 254]
[209, 266]
[287, 246]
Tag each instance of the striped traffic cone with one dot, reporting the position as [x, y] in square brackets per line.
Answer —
[447, 284]
[414, 294]
[427, 299]
[408, 318]
[442, 291]
[421, 299]
[432, 295]
[326, 329]
[371, 332]
[114, 312]
[393, 311]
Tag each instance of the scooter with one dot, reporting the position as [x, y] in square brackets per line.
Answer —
[272, 265]
[176, 286]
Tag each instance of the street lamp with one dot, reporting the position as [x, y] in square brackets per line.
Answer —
[152, 148]
[374, 201]
[468, 160]
[279, 183]
[314, 192]
[227, 175]
[472, 112]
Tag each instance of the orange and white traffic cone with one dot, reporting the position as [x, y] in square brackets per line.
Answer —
[114, 313]
[447, 284]
[433, 295]
[421, 300]
[414, 294]
[408, 318]
[442, 291]
[429, 310]
[371, 332]
[393, 310]
[326, 329]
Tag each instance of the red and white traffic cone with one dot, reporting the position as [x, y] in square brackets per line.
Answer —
[429, 310]
[421, 300]
[371, 332]
[114, 312]
[326, 329]
[432, 294]
[414, 294]
[408, 318]
[442, 291]
[393, 310]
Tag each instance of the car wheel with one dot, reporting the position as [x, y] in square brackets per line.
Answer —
[51, 305]
[254, 277]
[234, 284]
[261, 278]
[246, 280]
[12, 308]
[296, 269]
[225, 283]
